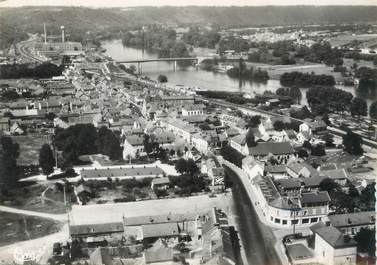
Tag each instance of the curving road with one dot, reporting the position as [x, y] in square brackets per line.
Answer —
[257, 239]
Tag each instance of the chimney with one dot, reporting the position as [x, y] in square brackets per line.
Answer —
[62, 28]
[45, 32]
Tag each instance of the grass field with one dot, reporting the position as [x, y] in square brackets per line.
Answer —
[16, 227]
[29, 148]
[28, 198]
[345, 39]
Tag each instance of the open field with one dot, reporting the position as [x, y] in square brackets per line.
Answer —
[345, 39]
[29, 198]
[16, 227]
[29, 148]
[275, 71]
[349, 62]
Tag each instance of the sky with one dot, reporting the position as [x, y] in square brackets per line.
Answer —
[131, 3]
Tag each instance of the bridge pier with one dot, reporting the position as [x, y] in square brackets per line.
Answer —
[139, 68]
[175, 66]
[196, 64]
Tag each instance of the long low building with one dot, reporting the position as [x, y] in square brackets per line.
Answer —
[121, 172]
[351, 223]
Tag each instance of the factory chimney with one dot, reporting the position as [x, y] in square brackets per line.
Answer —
[62, 28]
[45, 33]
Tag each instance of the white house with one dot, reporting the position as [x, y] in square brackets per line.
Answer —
[296, 169]
[193, 109]
[332, 247]
[132, 145]
[201, 142]
[179, 128]
[238, 143]
[252, 167]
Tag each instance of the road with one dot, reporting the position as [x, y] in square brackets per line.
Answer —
[258, 240]
[56, 217]
[41, 245]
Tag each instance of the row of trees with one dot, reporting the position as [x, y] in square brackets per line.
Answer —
[306, 80]
[9, 152]
[43, 70]
[293, 92]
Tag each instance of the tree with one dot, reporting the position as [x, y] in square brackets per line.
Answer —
[250, 139]
[329, 139]
[295, 94]
[9, 152]
[373, 110]
[367, 197]
[46, 159]
[302, 153]
[353, 143]
[328, 185]
[318, 150]
[254, 121]
[279, 125]
[352, 191]
[191, 167]
[181, 165]
[366, 241]
[148, 147]
[172, 152]
[162, 79]
[307, 145]
[358, 107]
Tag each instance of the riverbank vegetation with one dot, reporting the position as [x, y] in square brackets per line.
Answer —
[241, 71]
[322, 99]
[306, 79]
[157, 39]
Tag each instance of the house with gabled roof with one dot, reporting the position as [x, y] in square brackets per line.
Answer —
[281, 151]
[351, 223]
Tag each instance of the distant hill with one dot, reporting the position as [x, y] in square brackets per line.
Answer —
[80, 20]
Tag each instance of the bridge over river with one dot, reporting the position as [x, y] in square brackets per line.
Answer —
[175, 60]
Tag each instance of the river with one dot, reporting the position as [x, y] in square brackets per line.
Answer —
[189, 76]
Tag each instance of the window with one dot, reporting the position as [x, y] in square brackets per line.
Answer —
[294, 222]
[305, 220]
[284, 222]
[277, 220]
[314, 220]
[272, 218]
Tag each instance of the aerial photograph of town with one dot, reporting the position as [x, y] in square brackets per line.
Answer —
[177, 132]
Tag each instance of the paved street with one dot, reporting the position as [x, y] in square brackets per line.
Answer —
[257, 239]
[107, 213]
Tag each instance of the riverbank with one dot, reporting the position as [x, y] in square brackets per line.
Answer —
[207, 80]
